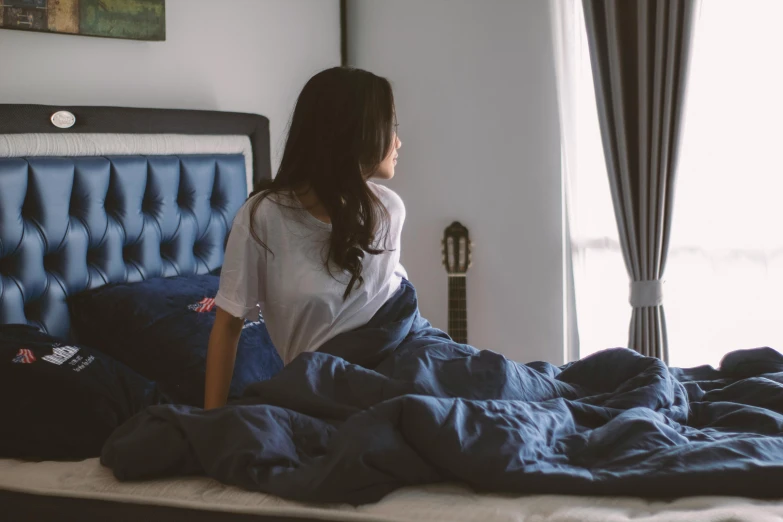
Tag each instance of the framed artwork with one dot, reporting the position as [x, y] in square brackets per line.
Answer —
[130, 19]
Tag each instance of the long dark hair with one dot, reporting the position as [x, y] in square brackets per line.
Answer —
[341, 130]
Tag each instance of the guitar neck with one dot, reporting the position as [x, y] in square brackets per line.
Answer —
[458, 309]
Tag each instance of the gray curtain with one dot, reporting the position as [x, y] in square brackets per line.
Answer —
[639, 50]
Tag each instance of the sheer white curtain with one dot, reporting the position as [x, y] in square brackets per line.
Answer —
[724, 274]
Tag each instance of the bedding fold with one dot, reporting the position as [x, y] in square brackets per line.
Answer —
[398, 403]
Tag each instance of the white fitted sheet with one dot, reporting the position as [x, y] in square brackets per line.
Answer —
[436, 503]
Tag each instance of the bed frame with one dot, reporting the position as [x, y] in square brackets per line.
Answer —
[121, 194]
[96, 195]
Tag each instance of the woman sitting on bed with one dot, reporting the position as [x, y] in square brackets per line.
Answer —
[317, 249]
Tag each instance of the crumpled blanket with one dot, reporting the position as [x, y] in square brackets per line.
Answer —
[398, 403]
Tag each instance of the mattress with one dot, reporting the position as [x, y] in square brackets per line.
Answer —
[89, 481]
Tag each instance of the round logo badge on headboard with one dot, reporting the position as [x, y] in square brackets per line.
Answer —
[63, 119]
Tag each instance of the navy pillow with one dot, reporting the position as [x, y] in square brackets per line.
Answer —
[160, 327]
[61, 401]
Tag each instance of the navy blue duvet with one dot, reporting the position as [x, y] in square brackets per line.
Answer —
[398, 403]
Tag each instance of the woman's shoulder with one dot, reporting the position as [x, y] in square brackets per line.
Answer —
[391, 200]
[258, 207]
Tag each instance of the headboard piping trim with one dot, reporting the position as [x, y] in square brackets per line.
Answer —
[94, 144]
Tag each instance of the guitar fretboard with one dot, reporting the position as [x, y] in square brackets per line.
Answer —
[458, 309]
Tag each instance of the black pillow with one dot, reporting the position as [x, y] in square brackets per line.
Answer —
[160, 327]
[62, 401]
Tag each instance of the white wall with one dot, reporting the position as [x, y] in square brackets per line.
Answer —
[475, 90]
[231, 55]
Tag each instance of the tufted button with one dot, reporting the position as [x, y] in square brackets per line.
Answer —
[25, 212]
[148, 204]
[112, 213]
[75, 205]
[5, 265]
[51, 262]
[30, 309]
[127, 253]
[198, 248]
[110, 205]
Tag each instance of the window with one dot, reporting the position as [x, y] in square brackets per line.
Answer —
[724, 270]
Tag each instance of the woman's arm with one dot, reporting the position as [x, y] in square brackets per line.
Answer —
[221, 355]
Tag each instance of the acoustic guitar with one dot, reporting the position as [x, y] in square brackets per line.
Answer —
[456, 258]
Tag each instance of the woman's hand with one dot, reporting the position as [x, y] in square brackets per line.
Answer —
[221, 355]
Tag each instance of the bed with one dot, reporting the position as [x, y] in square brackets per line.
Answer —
[233, 150]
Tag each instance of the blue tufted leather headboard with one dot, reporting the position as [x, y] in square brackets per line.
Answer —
[67, 224]
[72, 223]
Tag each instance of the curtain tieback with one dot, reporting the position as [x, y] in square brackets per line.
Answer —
[646, 293]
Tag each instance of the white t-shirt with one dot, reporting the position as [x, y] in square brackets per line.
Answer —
[302, 304]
